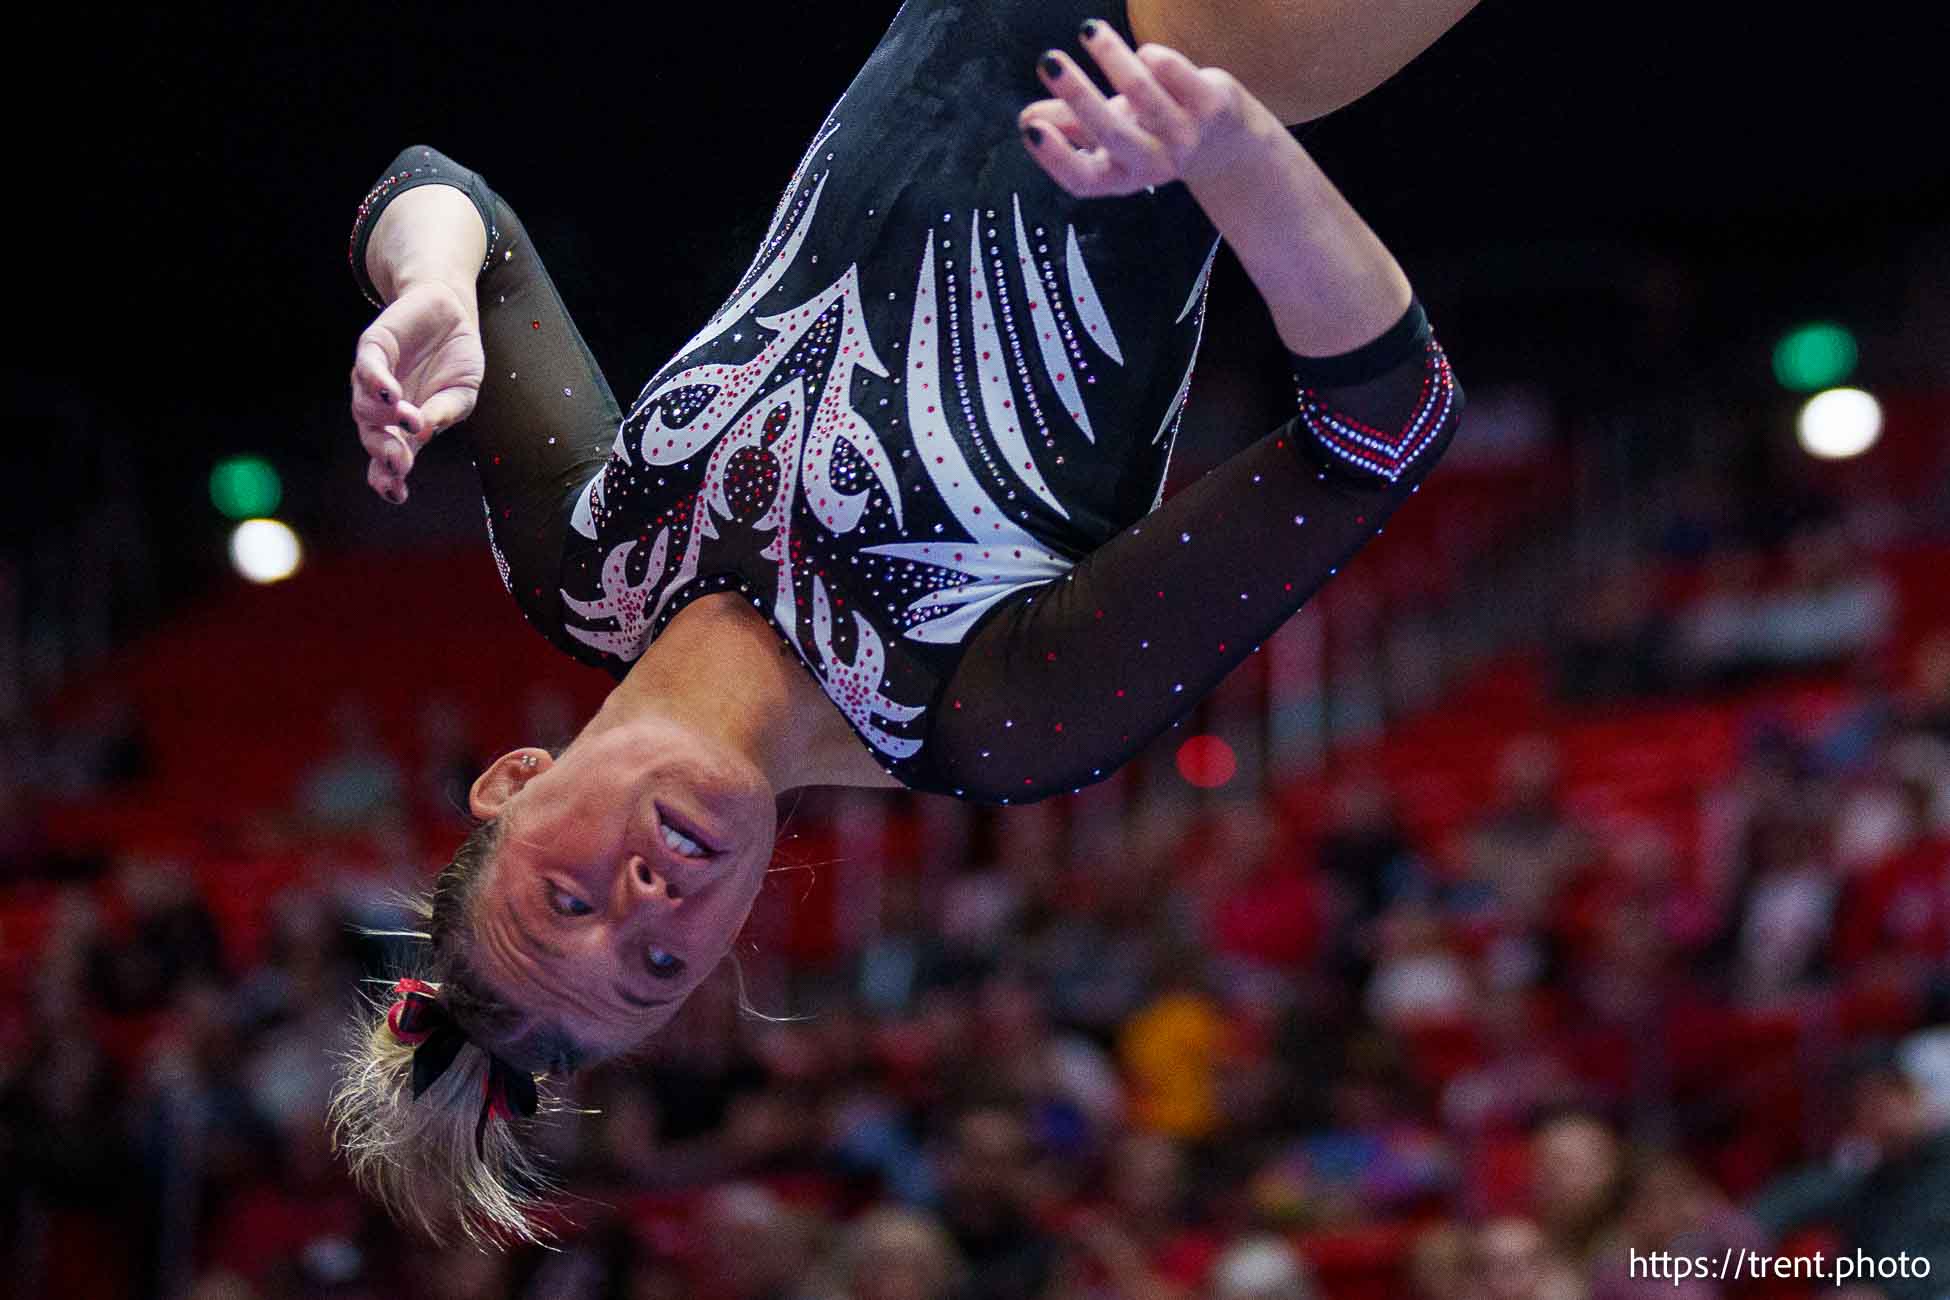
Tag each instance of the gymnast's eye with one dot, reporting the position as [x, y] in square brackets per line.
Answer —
[563, 903]
[663, 965]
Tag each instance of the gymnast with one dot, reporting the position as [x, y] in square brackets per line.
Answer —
[892, 517]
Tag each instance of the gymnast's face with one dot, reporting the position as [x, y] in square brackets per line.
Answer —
[623, 872]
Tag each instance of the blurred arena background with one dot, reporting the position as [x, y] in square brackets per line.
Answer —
[1571, 878]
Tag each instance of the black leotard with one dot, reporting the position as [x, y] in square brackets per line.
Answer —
[927, 435]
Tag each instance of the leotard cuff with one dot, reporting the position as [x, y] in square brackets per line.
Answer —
[1384, 411]
[416, 165]
[1370, 361]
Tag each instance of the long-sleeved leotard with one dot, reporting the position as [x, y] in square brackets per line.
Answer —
[927, 436]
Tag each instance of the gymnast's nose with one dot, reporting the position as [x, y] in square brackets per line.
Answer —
[647, 884]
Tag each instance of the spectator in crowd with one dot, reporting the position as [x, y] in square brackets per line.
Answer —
[1526, 850]
[1365, 854]
[1894, 803]
[67, 1165]
[1895, 914]
[991, 1205]
[222, 1284]
[359, 783]
[1615, 641]
[1577, 1185]
[1833, 607]
[461, 1272]
[1774, 941]
[897, 1254]
[1092, 960]
[1069, 1085]
[900, 960]
[1522, 1073]
[1513, 1260]
[1419, 976]
[1926, 707]
[1139, 1237]
[1173, 1050]
[1266, 910]
[173, 939]
[1669, 1209]
[1714, 632]
[1261, 1268]
[1439, 1263]
[1888, 1190]
[1373, 1159]
[752, 1246]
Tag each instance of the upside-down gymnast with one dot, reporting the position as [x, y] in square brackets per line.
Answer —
[892, 517]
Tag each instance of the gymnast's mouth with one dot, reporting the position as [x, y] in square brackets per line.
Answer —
[681, 836]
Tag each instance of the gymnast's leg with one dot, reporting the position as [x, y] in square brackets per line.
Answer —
[1302, 58]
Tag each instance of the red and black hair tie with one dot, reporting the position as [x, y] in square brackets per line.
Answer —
[421, 1021]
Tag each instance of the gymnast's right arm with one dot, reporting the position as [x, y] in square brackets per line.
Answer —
[1063, 684]
[472, 333]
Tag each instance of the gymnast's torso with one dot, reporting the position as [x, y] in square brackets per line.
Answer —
[927, 433]
[941, 383]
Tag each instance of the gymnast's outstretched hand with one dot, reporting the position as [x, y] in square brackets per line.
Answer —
[1170, 119]
[418, 371]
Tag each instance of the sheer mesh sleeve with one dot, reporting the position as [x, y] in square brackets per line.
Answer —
[1059, 688]
[545, 420]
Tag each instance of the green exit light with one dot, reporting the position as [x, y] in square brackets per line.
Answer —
[245, 487]
[1815, 356]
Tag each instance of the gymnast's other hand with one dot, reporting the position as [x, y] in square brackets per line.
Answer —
[417, 372]
[1170, 120]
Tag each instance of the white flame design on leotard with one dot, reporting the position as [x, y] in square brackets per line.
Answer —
[802, 420]
[992, 374]
[1000, 557]
[1089, 304]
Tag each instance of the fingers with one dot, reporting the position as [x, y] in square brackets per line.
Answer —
[1117, 133]
[385, 483]
[382, 414]
[393, 451]
[392, 442]
[1082, 169]
[1152, 108]
[377, 395]
[1054, 114]
[1205, 94]
[443, 411]
[1160, 117]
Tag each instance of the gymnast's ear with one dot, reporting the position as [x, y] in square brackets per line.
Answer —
[504, 779]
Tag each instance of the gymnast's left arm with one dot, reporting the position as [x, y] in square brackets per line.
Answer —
[1061, 687]
[1328, 281]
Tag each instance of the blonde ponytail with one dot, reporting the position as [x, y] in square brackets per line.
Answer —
[450, 1157]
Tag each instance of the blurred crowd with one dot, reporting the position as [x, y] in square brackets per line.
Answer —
[1273, 1049]
[1726, 592]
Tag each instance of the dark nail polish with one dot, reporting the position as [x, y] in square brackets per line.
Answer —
[1034, 134]
[1089, 29]
[1052, 66]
